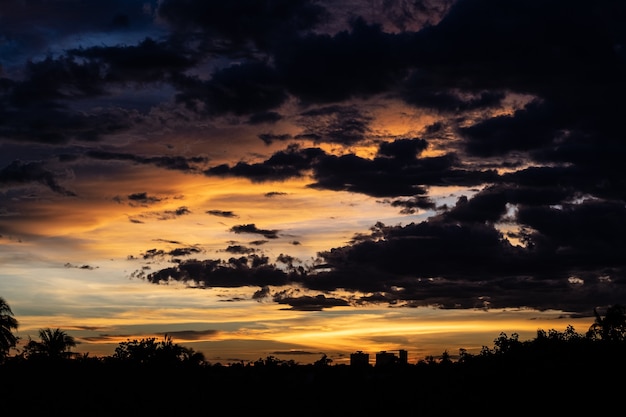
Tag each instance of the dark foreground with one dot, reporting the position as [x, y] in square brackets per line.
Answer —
[553, 383]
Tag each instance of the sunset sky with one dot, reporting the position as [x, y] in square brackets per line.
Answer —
[297, 177]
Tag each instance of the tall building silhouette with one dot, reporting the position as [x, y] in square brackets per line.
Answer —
[359, 358]
[385, 358]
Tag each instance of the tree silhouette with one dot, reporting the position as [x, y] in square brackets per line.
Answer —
[611, 327]
[8, 323]
[52, 344]
[323, 361]
[149, 351]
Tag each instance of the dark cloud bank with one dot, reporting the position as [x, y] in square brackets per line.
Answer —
[553, 167]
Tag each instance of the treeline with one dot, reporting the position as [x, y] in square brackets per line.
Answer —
[556, 372]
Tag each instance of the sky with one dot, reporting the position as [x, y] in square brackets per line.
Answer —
[293, 178]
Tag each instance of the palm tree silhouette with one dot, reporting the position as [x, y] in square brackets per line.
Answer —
[8, 323]
[53, 344]
[611, 327]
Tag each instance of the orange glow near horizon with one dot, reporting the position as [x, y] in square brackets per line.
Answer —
[422, 332]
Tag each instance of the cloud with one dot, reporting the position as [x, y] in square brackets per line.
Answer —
[273, 194]
[38, 103]
[251, 228]
[329, 68]
[170, 214]
[142, 198]
[51, 124]
[178, 163]
[159, 253]
[222, 213]
[161, 215]
[148, 61]
[269, 117]
[519, 100]
[396, 171]
[23, 173]
[309, 303]
[84, 267]
[260, 22]
[469, 264]
[192, 334]
[269, 138]
[249, 87]
[532, 127]
[251, 270]
[524, 95]
[413, 204]
[239, 249]
[81, 22]
[335, 124]
[283, 165]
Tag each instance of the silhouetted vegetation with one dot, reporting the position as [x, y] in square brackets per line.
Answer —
[8, 324]
[556, 372]
[52, 344]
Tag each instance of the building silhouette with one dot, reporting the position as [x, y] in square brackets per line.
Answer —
[359, 358]
[383, 358]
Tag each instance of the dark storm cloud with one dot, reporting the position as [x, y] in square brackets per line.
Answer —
[327, 68]
[572, 259]
[603, 181]
[407, 13]
[60, 21]
[251, 270]
[148, 61]
[178, 163]
[591, 234]
[397, 170]
[426, 90]
[251, 228]
[403, 149]
[261, 22]
[264, 117]
[335, 124]
[532, 127]
[51, 124]
[411, 205]
[245, 88]
[471, 265]
[44, 78]
[55, 79]
[290, 163]
[533, 46]
[23, 173]
[563, 191]
[567, 54]
[307, 302]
